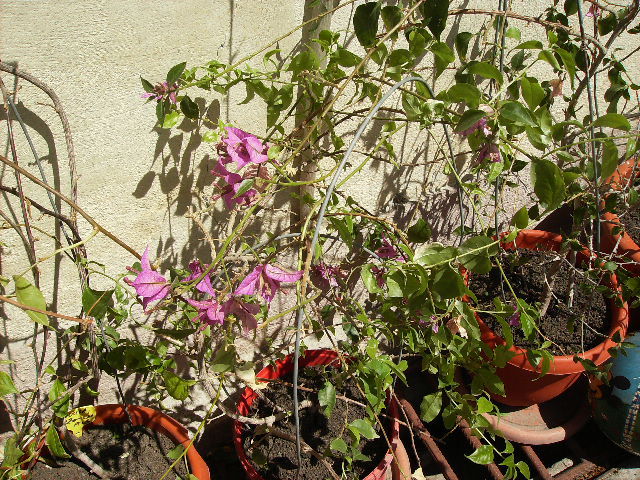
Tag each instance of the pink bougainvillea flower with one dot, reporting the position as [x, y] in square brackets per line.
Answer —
[379, 272]
[266, 279]
[594, 11]
[162, 90]
[514, 320]
[245, 312]
[149, 285]
[328, 274]
[387, 250]
[479, 125]
[209, 311]
[233, 184]
[244, 147]
[203, 285]
[491, 151]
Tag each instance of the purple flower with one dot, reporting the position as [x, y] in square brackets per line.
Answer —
[234, 181]
[266, 280]
[204, 285]
[379, 272]
[243, 311]
[149, 284]
[387, 250]
[594, 11]
[209, 311]
[479, 125]
[491, 151]
[328, 273]
[244, 147]
[514, 320]
[162, 90]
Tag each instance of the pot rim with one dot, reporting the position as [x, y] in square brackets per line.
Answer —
[562, 364]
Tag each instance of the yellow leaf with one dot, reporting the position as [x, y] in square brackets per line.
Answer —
[78, 418]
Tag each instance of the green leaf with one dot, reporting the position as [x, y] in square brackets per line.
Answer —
[189, 108]
[530, 45]
[175, 73]
[61, 403]
[391, 16]
[364, 428]
[345, 58]
[29, 295]
[548, 183]
[610, 157]
[171, 119]
[547, 56]
[469, 118]
[327, 398]
[443, 56]
[365, 23]
[461, 43]
[464, 92]
[613, 120]
[570, 7]
[175, 453]
[430, 406]
[607, 24]
[147, 85]
[339, 445]
[419, 232]
[95, 303]
[513, 32]
[224, 360]
[7, 386]
[369, 279]
[434, 14]
[475, 253]
[521, 218]
[177, 387]
[245, 186]
[486, 70]
[12, 454]
[517, 113]
[54, 444]
[484, 405]
[532, 92]
[448, 283]
[569, 62]
[483, 455]
[303, 61]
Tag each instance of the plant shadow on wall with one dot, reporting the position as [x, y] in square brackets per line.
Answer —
[252, 289]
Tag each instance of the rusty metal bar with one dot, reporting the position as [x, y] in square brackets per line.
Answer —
[585, 470]
[427, 439]
[466, 430]
[537, 463]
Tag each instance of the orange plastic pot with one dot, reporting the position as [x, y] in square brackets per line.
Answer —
[627, 249]
[114, 414]
[285, 367]
[520, 378]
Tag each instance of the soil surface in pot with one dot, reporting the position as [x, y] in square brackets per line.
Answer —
[124, 451]
[278, 456]
[526, 272]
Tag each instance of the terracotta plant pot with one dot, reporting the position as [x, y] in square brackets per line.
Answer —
[520, 378]
[627, 249]
[283, 368]
[114, 414]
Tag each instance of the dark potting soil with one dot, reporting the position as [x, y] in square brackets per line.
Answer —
[124, 451]
[631, 222]
[562, 325]
[279, 456]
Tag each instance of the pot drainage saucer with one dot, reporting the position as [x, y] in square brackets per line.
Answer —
[544, 423]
